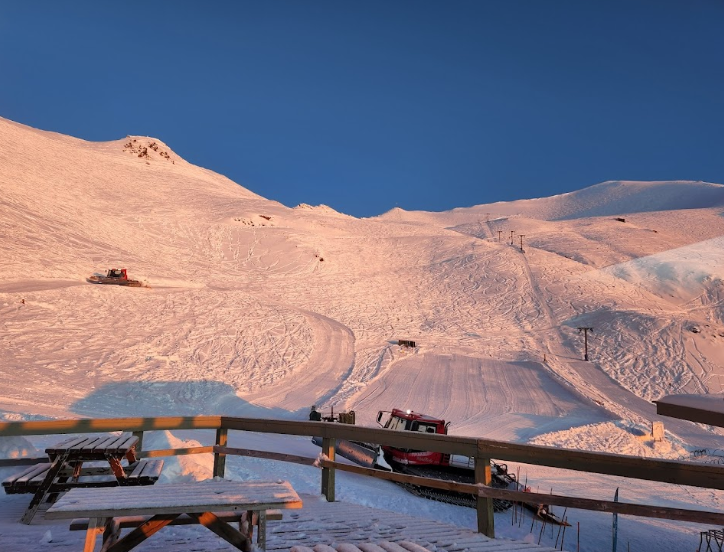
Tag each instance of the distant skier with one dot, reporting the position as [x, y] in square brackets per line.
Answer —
[315, 416]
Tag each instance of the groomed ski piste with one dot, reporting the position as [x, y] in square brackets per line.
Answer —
[257, 309]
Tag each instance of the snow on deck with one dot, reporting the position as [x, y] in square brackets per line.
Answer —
[339, 523]
[336, 524]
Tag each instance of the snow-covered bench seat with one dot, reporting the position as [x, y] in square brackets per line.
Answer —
[142, 472]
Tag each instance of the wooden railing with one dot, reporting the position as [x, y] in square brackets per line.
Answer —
[666, 471]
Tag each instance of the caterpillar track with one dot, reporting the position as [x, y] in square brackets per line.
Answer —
[501, 480]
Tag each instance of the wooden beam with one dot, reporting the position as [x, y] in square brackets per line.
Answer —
[104, 425]
[466, 446]
[111, 533]
[643, 510]
[709, 476]
[225, 531]
[304, 460]
[328, 471]
[704, 409]
[443, 484]
[175, 452]
[483, 504]
[220, 457]
[95, 527]
[139, 444]
[142, 532]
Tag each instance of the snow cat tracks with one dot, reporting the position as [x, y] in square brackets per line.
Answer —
[501, 480]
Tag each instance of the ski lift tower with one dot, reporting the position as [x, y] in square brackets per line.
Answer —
[585, 331]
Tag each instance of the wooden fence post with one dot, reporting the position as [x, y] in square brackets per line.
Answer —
[219, 458]
[139, 445]
[328, 445]
[484, 506]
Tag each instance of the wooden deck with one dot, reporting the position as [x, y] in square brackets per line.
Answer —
[336, 524]
[339, 523]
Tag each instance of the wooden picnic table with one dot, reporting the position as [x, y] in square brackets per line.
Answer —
[202, 502]
[66, 468]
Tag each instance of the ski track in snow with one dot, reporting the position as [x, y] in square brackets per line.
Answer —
[255, 309]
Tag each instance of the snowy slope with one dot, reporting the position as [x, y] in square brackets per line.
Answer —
[605, 199]
[248, 295]
[253, 308]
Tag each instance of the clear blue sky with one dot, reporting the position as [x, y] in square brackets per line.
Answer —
[368, 105]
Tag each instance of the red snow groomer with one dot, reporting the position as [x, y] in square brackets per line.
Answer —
[114, 276]
[407, 420]
[451, 467]
[426, 463]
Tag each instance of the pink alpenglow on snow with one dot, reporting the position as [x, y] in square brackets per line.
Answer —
[241, 317]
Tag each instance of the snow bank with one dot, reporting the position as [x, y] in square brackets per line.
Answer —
[682, 273]
[16, 447]
[616, 438]
[179, 469]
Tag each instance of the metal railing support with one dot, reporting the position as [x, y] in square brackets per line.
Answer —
[328, 444]
[220, 458]
[484, 506]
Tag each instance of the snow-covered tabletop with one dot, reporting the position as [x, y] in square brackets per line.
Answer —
[165, 503]
[210, 496]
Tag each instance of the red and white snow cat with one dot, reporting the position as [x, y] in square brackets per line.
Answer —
[407, 420]
[430, 464]
[445, 466]
[439, 465]
[114, 276]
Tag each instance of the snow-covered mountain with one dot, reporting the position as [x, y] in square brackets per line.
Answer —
[246, 293]
[604, 199]
[254, 308]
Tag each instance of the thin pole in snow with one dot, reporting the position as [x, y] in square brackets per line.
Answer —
[543, 528]
[585, 331]
[615, 524]
[561, 527]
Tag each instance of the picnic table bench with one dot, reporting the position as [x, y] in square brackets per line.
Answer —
[141, 472]
[213, 504]
[66, 471]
